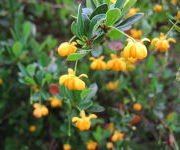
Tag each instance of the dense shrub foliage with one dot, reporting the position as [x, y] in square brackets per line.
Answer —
[90, 74]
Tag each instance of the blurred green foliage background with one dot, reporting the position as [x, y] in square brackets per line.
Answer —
[30, 32]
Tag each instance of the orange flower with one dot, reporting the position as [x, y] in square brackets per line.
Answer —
[40, 110]
[136, 33]
[66, 147]
[35, 88]
[112, 85]
[1, 81]
[158, 8]
[178, 14]
[98, 63]
[110, 126]
[132, 11]
[91, 145]
[84, 122]
[65, 49]
[71, 81]
[55, 102]
[137, 107]
[162, 43]
[32, 128]
[174, 2]
[117, 136]
[135, 50]
[116, 63]
[109, 145]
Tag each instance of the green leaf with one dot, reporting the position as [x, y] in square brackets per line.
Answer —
[22, 69]
[119, 4]
[131, 20]
[17, 48]
[95, 22]
[85, 93]
[112, 16]
[26, 29]
[96, 108]
[80, 26]
[115, 33]
[85, 104]
[102, 9]
[29, 81]
[90, 4]
[75, 56]
[86, 23]
[44, 59]
[128, 4]
[93, 92]
[31, 69]
[73, 28]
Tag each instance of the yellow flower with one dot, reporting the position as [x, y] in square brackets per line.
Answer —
[84, 122]
[174, 2]
[116, 64]
[40, 110]
[136, 33]
[32, 128]
[132, 11]
[109, 145]
[91, 145]
[117, 136]
[1, 81]
[55, 102]
[65, 49]
[66, 147]
[71, 81]
[98, 63]
[135, 50]
[178, 14]
[137, 107]
[113, 1]
[158, 8]
[110, 126]
[130, 66]
[112, 85]
[161, 43]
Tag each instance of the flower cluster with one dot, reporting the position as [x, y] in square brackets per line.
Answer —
[71, 81]
[40, 110]
[83, 123]
[66, 48]
[162, 43]
[55, 102]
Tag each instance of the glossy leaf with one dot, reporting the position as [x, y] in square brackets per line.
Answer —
[112, 16]
[102, 9]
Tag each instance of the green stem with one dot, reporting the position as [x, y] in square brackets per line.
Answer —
[171, 28]
[69, 118]
[72, 39]
[128, 36]
[131, 95]
[75, 67]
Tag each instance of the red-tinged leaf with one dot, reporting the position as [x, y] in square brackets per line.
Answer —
[135, 120]
[171, 139]
[53, 88]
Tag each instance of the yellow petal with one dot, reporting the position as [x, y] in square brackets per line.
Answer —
[92, 116]
[74, 119]
[83, 75]
[145, 39]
